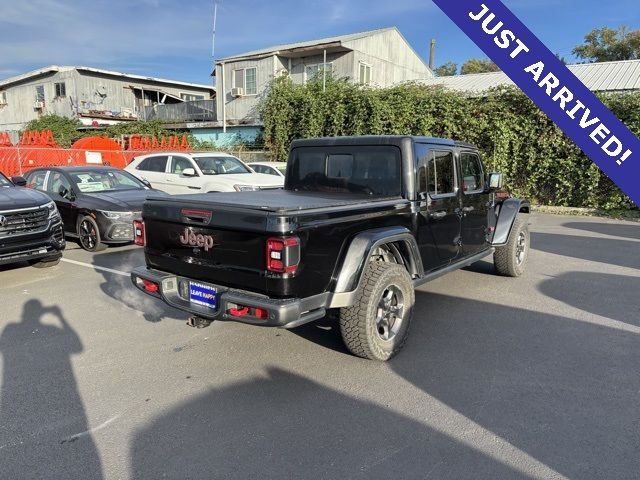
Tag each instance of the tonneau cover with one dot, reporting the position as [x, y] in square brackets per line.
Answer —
[276, 201]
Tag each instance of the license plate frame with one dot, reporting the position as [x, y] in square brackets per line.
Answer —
[203, 295]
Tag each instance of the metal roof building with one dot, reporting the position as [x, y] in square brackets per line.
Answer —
[622, 76]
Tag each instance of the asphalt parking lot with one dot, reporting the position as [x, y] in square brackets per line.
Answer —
[536, 377]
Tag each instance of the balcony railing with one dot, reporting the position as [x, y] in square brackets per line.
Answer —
[196, 111]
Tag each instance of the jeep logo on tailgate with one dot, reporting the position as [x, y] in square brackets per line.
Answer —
[197, 240]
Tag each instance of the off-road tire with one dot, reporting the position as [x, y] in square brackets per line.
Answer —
[45, 263]
[96, 245]
[505, 258]
[358, 323]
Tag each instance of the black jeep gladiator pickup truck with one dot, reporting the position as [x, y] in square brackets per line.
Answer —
[361, 222]
[30, 225]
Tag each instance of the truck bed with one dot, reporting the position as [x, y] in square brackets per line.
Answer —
[281, 202]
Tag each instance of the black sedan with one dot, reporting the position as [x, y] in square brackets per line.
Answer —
[97, 204]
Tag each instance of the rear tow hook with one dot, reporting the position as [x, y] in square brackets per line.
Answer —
[198, 322]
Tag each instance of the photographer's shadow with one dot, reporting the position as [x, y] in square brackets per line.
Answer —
[41, 412]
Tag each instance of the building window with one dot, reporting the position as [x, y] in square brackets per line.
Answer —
[191, 97]
[245, 78]
[3, 98]
[61, 89]
[40, 93]
[365, 73]
[312, 71]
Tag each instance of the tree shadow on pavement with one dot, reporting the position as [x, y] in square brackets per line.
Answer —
[613, 229]
[624, 253]
[561, 390]
[604, 294]
[120, 288]
[43, 425]
[286, 426]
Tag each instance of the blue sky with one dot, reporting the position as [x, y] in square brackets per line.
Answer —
[172, 39]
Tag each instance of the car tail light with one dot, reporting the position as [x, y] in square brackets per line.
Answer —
[139, 237]
[283, 254]
[149, 286]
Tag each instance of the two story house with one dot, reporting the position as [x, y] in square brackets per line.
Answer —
[379, 58]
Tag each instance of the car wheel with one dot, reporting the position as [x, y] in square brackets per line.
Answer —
[376, 326]
[510, 260]
[89, 235]
[45, 263]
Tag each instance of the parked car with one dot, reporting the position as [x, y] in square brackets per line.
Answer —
[270, 168]
[97, 204]
[191, 172]
[360, 223]
[30, 225]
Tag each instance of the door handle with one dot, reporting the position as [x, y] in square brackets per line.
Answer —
[438, 215]
[468, 209]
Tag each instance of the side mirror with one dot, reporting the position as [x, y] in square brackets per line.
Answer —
[19, 181]
[64, 192]
[495, 181]
[188, 172]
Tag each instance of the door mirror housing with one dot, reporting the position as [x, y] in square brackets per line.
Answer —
[19, 181]
[189, 172]
[495, 181]
[66, 193]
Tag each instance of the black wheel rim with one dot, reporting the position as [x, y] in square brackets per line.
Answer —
[390, 313]
[88, 235]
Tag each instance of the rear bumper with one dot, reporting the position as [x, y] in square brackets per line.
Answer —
[284, 313]
[27, 248]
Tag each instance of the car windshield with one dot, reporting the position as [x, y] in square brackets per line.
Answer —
[4, 181]
[96, 181]
[220, 165]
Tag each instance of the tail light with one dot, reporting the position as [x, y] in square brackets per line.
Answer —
[139, 237]
[283, 254]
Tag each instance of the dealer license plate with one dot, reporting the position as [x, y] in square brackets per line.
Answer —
[204, 295]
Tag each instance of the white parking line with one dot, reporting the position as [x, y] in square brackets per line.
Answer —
[96, 267]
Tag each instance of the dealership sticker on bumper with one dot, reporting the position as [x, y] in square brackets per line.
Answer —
[204, 295]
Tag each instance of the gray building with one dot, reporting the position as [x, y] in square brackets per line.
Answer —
[379, 58]
[90, 94]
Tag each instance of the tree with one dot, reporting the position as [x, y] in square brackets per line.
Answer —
[447, 70]
[479, 65]
[606, 45]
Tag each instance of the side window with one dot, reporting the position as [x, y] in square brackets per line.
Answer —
[57, 180]
[258, 168]
[441, 175]
[422, 155]
[178, 164]
[36, 180]
[472, 176]
[153, 164]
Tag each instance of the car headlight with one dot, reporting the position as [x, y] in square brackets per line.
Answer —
[116, 215]
[53, 210]
[246, 188]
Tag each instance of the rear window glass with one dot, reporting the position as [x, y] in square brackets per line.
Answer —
[371, 170]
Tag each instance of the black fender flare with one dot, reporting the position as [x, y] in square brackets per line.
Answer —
[509, 209]
[357, 256]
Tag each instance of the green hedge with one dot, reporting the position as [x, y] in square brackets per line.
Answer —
[514, 136]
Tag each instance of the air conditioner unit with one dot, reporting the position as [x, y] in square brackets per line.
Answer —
[237, 92]
[38, 105]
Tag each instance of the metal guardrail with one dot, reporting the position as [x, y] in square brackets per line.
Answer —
[198, 110]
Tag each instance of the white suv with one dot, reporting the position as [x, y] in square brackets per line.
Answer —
[191, 172]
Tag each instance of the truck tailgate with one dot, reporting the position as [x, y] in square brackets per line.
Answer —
[197, 241]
